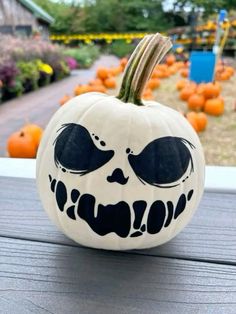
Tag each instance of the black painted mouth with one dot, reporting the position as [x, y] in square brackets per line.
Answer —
[117, 217]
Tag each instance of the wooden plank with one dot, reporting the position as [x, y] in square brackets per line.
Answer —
[211, 235]
[48, 278]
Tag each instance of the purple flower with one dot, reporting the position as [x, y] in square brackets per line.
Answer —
[72, 63]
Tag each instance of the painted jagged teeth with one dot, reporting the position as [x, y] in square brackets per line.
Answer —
[104, 219]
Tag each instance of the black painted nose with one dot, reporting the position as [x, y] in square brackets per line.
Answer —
[118, 177]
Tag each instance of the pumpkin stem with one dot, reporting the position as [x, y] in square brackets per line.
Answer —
[131, 67]
[142, 62]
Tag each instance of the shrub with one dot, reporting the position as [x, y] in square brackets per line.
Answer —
[60, 69]
[16, 89]
[28, 75]
[120, 48]
[11, 84]
[85, 55]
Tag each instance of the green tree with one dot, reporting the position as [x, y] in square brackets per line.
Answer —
[60, 11]
[123, 15]
[145, 15]
[106, 15]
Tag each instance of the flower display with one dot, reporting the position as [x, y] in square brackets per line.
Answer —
[26, 64]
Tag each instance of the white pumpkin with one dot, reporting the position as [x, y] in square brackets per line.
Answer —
[115, 175]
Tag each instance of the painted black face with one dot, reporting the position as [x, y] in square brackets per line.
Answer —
[162, 163]
[117, 217]
[76, 152]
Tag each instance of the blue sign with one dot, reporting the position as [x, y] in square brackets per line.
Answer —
[202, 66]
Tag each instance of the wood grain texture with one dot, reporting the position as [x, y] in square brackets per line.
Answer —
[211, 235]
[49, 278]
[14, 13]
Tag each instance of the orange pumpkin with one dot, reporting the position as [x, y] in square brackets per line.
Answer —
[21, 145]
[147, 94]
[184, 72]
[173, 69]
[214, 106]
[82, 89]
[153, 83]
[166, 73]
[170, 59]
[200, 88]
[98, 88]
[95, 81]
[198, 120]
[110, 82]
[103, 73]
[155, 74]
[34, 131]
[211, 90]
[196, 102]
[64, 99]
[114, 71]
[223, 76]
[192, 119]
[230, 70]
[123, 62]
[158, 74]
[179, 64]
[161, 67]
[181, 84]
[219, 68]
[186, 92]
[201, 121]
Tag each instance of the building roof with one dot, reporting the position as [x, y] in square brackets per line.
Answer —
[37, 11]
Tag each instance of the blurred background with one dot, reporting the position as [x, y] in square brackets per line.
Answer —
[52, 50]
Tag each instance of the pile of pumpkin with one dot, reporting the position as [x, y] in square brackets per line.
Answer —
[106, 78]
[201, 99]
[223, 72]
[24, 143]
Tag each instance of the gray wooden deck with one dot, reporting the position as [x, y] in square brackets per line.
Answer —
[42, 271]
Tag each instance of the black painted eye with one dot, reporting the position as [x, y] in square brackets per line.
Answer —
[76, 152]
[163, 161]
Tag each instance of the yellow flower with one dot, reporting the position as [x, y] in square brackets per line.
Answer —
[46, 68]
[88, 41]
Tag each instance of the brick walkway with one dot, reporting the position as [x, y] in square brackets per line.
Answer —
[39, 106]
